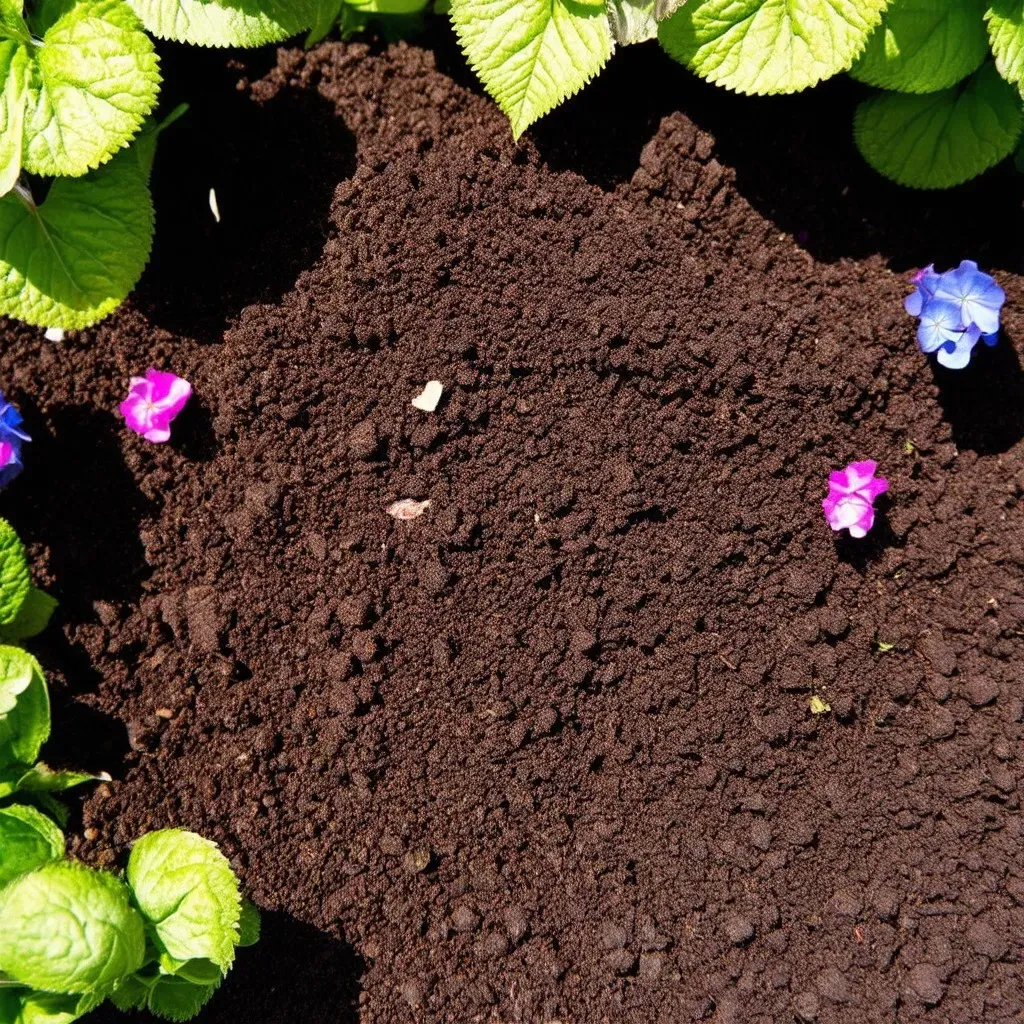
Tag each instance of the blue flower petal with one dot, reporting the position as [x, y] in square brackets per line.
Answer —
[940, 322]
[990, 339]
[960, 355]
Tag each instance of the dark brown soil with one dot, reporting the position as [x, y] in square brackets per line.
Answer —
[546, 753]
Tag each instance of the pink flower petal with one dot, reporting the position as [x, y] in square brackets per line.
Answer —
[152, 403]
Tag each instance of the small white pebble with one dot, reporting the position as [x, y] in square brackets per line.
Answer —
[214, 208]
[408, 508]
[54, 334]
[428, 398]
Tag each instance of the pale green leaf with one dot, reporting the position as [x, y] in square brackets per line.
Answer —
[14, 71]
[924, 45]
[769, 46]
[27, 839]
[68, 928]
[15, 582]
[32, 618]
[225, 23]
[72, 260]
[1006, 34]
[532, 54]
[185, 888]
[40, 779]
[941, 139]
[51, 1008]
[632, 21]
[93, 82]
[24, 707]
[12, 21]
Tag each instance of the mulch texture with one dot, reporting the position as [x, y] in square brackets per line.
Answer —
[545, 753]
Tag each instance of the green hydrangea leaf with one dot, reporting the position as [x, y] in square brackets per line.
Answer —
[249, 924]
[50, 1008]
[532, 54]
[40, 779]
[174, 998]
[924, 45]
[24, 707]
[12, 21]
[10, 1005]
[327, 13]
[27, 839]
[170, 997]
[131, 994]
[1006, 35]
[14, 71]
[632, 21]
[769, 46]
[226, 22]
[944, 138]
[199, 971]
[69, 929]
[15, 581]
[72, 260]
[32, 618]
[186, 890]
[92, 83]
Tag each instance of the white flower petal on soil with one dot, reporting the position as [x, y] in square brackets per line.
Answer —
[408, 508]
[214, 208]
[54, 334]
[428, 398]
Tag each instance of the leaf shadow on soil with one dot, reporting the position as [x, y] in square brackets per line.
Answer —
[273, 166]
[83, 737]
[95, 550]
[294, 973]
[795, 162]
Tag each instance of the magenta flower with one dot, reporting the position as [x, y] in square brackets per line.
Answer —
[850, 504]
[153, 401]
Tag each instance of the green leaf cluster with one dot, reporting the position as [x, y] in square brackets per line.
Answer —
[79, 82]
[24, 699]
[161, 939]
[951, 71]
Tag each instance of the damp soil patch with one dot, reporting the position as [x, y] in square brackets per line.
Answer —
[546, 751]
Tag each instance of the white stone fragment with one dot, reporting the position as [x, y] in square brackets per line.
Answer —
[408, 508]
[428, 398]
[214, 208]
[54, 334]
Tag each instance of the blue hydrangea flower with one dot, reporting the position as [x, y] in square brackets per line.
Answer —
[979, 297]
[955, 310]
[11, 439]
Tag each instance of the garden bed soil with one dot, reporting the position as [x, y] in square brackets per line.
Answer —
[545, 753]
